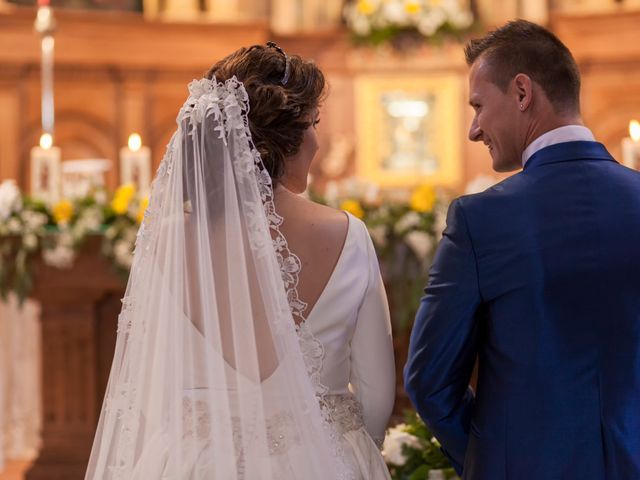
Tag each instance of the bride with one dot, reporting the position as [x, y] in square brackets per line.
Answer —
[254, 340]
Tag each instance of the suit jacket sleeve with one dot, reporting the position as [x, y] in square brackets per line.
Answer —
[443, 345]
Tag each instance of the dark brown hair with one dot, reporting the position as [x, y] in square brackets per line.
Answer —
[278, 114]
[524, 47]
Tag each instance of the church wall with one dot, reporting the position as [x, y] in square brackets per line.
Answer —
[119, 73]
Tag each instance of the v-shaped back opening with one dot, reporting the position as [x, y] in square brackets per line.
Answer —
[307, 273]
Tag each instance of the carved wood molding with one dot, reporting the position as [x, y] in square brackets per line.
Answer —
[124, 40]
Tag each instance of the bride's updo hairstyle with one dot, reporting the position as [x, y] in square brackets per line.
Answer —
[282, 100]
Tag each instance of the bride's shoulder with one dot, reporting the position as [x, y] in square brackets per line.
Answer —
[336, 223]
[325, 218]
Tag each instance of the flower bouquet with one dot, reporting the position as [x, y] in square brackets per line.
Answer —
[406, 22]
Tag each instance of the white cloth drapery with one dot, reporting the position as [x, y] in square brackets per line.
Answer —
[20, 409]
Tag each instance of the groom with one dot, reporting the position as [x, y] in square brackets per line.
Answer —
[539, 279]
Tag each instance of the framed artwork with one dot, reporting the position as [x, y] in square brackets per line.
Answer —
[45, 173]
[409, 129]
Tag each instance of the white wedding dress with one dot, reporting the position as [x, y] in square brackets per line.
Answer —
[351, 322]
[346, 338]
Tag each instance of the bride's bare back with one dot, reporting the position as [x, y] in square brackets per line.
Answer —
[316, 234]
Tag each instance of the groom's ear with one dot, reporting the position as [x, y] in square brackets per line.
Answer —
[522, 90]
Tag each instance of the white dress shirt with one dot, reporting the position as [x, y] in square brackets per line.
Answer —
[568, 133]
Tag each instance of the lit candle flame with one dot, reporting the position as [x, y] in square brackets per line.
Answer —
[135, 142]
[46, 141]
[634, 130]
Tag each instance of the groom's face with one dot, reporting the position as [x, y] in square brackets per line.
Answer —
[496, 119]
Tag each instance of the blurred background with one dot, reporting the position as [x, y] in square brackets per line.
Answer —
[89, 92]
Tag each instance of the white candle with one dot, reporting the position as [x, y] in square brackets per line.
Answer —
[631, 146]
[45, 170]
[135, 164]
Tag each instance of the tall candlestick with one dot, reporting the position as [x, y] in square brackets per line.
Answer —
[45, 25]
[135, 164]
[45, 170]
[631, 146]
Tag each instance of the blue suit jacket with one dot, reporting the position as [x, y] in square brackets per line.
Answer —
[539, 277]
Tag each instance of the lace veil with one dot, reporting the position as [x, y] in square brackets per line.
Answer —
[211, 379]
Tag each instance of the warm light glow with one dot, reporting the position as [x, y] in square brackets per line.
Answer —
[135, 142]
[634, 130]
[46, 141]
[408, 108]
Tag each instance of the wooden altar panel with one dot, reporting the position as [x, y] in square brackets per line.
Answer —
[607, 49]
[115, 73]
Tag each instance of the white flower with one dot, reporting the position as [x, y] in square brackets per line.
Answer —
[65, 239]
[123, 253]
[420, 242]
[431, 21]
[332, 193]
[361, 26]
[395, 13]
[33, 220]
[371, 193]
[92, 218]
[393, 443]
[100, 197]
[14, 225]
[407, 221]
[462, 20]
[59, 257]
[10, 199]
[111, 233]
[379, 235]
[30, 241]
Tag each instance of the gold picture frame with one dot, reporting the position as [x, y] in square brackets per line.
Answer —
[409, 129]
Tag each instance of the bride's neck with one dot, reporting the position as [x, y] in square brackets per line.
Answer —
[281, 191]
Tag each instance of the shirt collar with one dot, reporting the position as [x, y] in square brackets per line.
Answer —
[568, 133]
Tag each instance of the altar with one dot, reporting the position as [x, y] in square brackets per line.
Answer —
[79, 311]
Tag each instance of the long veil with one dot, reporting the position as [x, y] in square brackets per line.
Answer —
[210, 378]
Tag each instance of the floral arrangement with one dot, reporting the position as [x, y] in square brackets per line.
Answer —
[57, 231]
[405, 230]
[404, 21]
[412, 452]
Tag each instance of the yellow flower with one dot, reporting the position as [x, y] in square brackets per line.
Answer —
[120, 205]
[144, 203]
[366, 7]
[423, 199]
[353, 207]
[412, 7]
[122, 198]
[63, 211]
[128, 190]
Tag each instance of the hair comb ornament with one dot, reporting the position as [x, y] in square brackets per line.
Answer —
[287, 67]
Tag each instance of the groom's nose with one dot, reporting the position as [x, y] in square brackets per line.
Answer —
[475, 132]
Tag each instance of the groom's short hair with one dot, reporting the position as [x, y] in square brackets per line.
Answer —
[524, 47]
